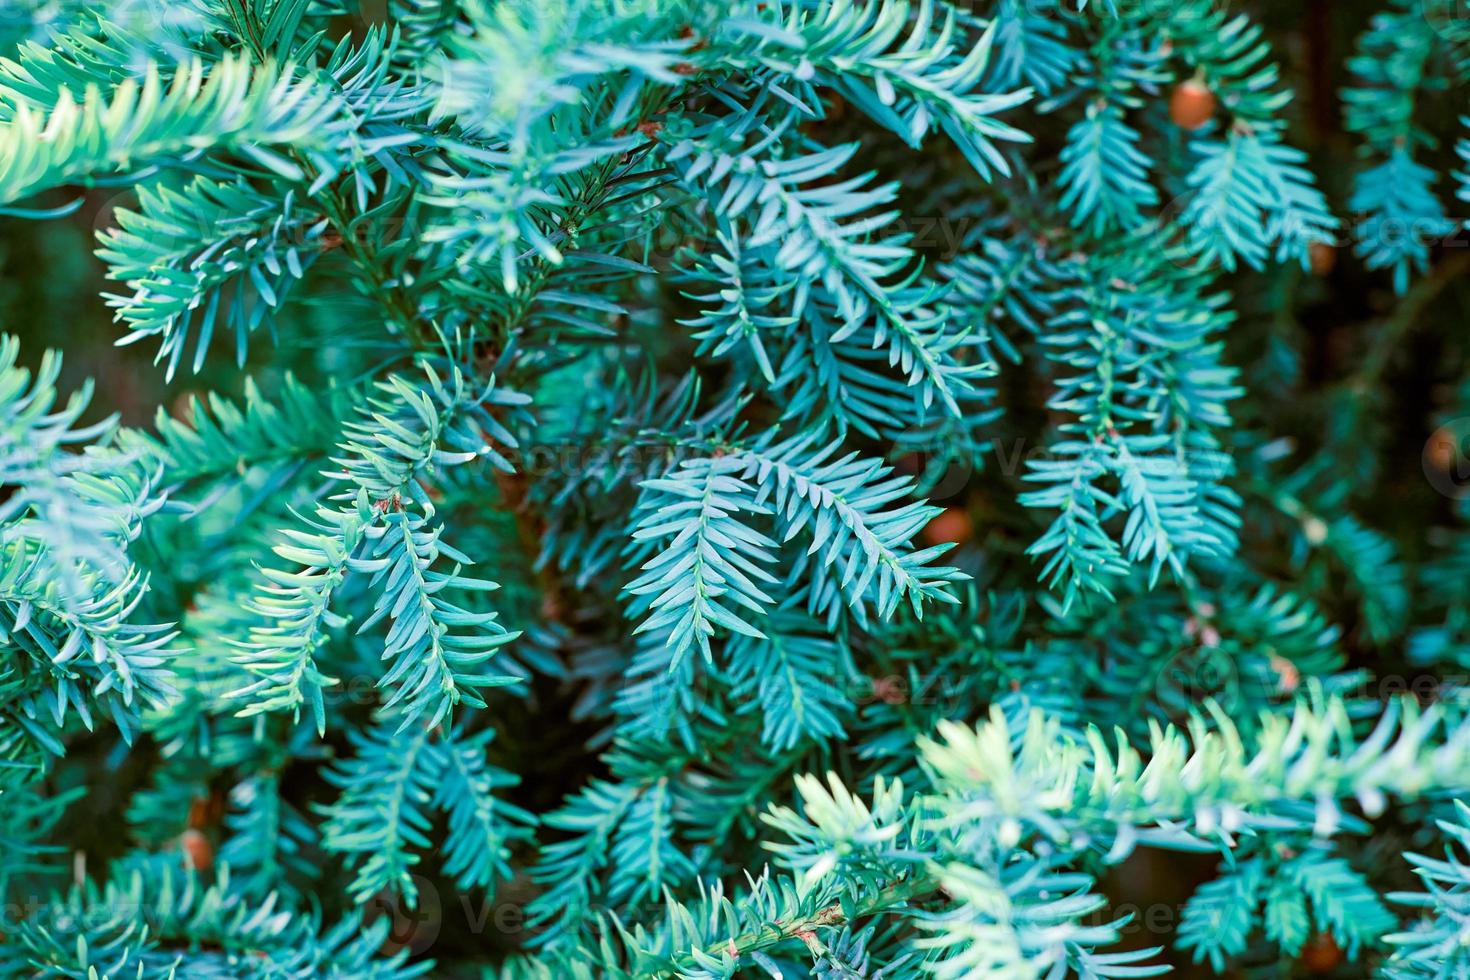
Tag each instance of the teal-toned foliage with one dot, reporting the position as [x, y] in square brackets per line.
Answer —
[718, 489]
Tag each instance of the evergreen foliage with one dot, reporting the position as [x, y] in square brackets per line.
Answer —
[757, 488]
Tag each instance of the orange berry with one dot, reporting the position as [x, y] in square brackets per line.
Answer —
[198, 851]
[1322, 955]
[1322, 257]
[1442, 450]
[1191, 105]
[1290, 676]
[953, 525]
